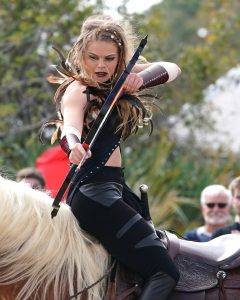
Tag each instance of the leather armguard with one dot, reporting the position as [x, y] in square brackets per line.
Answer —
[153, 75]
[68, 141]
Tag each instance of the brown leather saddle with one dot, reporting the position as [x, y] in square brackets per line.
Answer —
[205, 268]
[209, 270]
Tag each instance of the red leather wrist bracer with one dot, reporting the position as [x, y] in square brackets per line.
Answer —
[153, 75]
[67, 142]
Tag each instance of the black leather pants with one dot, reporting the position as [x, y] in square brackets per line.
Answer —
[100, 210]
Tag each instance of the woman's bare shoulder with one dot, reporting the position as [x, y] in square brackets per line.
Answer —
[75, 92]
[75, 87]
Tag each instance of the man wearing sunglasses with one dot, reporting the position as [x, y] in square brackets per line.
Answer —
[216, 203]
[234, 188]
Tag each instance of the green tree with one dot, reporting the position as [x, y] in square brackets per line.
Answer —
[173, 35]
[28, 31]
[182, 170]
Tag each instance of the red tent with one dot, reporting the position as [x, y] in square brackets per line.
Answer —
[54, 165]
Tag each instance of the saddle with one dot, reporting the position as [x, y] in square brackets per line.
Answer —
[209, 267]
[204, 266]
[222, 252]
[123, 284]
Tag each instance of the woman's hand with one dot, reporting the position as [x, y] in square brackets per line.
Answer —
[78, 153]
[133, 83]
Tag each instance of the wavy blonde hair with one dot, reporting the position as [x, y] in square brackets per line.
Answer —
[41, 254]
[133, 113]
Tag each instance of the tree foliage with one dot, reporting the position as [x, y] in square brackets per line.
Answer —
[174, 35]
[28, 31]
[176, 176]
[200, 36]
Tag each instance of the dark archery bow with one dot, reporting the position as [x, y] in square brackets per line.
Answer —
[99, 123]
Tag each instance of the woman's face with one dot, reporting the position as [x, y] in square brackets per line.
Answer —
[101, 59]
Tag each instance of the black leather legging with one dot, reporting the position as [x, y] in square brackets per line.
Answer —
[100, 210]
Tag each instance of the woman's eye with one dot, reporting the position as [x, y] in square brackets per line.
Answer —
[93, 57]
[110, 58]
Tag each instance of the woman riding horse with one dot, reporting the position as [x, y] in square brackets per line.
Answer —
[93, 66]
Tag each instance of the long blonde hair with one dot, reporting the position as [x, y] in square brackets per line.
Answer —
[133, 111]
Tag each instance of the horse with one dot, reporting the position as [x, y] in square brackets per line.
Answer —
[54, 259]
[44, 258]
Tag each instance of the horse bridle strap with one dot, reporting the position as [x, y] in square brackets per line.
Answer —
[96, 282]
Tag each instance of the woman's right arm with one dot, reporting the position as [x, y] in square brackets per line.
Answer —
[73, 109]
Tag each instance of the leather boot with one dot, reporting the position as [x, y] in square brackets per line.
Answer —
[158, 287]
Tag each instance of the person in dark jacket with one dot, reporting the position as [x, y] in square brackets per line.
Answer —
[234, 188]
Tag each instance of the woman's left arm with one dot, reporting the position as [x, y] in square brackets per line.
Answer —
[160, 72]
[151, 74]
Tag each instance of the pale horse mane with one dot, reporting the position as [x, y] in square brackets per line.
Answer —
[45, 253]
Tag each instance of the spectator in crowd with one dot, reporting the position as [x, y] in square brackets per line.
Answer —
[33, 177]
[234, 188]
[216, 208]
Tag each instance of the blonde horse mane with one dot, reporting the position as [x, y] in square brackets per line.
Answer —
[42, 253]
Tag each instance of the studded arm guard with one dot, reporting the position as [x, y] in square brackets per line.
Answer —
[159, 73]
